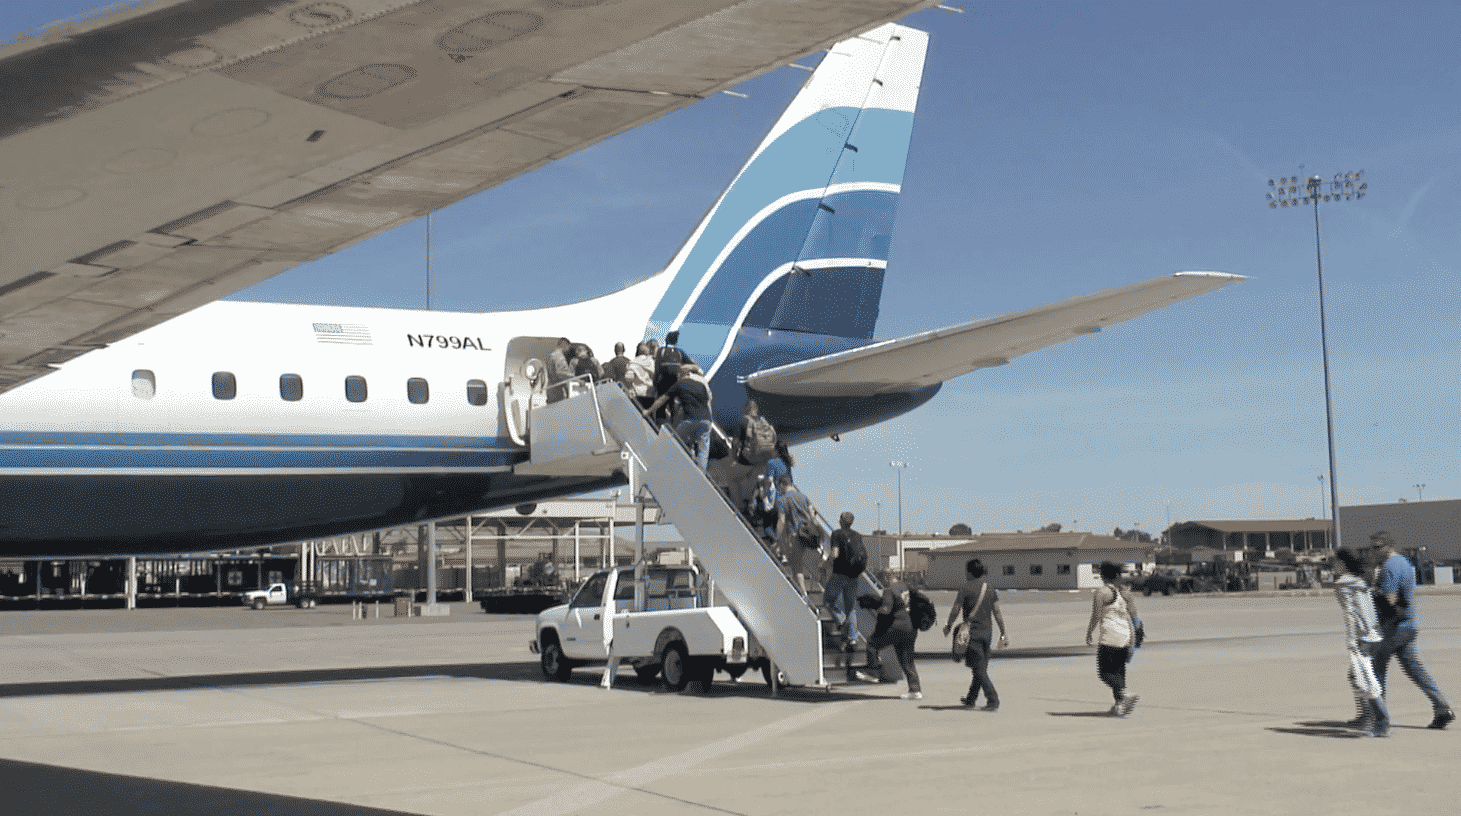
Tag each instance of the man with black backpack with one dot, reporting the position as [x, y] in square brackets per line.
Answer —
[849, 559]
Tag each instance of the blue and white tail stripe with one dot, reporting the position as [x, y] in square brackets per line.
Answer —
[822, 185]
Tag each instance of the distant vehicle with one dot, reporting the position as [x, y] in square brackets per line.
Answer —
[278, 594]
[676, 636]
[1165, 582]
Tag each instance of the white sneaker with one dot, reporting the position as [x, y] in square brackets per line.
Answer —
[911, 695]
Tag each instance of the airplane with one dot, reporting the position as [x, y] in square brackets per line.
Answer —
[241, 424]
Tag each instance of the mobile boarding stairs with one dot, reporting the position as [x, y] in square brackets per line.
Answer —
[600, 431]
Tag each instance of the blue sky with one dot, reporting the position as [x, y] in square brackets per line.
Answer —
[1063, 148]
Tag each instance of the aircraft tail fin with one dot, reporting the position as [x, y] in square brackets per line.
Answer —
[799, 241]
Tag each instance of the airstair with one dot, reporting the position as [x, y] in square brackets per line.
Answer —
[601, 431]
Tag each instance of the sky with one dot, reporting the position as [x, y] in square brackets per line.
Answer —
[1061, 149]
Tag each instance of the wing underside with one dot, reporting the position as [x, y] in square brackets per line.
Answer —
[164, 154]
[921, 360]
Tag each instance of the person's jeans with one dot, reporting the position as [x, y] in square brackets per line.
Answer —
[1400, 643]
[903, 641]
[841, 597]
[977, 659]
[696, 434]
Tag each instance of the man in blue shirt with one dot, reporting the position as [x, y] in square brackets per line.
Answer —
[1395, 597]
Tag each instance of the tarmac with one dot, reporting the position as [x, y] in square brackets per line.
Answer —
[229, 710]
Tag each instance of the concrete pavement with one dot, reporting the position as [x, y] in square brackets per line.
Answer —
[306, 711]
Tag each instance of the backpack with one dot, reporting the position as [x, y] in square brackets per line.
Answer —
[921, 610]
[809, 533]
[856, 553]
[759, 445]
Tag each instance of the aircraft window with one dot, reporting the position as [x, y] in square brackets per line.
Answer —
[225, 385]
[355, 388]
[291, 387]
[417, 391]
[476, 392]
[1037, 569]
[144, 384]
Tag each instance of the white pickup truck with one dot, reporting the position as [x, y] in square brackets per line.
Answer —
[277, 593]
[675, 634]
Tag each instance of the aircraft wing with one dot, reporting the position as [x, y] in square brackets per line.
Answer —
[921, 360]
[163, 154]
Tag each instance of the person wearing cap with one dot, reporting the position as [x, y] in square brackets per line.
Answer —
[1395, 598]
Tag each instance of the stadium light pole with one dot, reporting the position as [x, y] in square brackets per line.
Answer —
[901, 466]
[1420, 492]
[1287, 192]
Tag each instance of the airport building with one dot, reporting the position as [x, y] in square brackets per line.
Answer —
[1065, 560]
[1431, 526]
[1240, 535]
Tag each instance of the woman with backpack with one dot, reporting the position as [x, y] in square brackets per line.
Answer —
[755, 438]
[1113, 613]
[895, 628]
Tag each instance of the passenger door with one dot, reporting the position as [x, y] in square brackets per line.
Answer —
[583, 626]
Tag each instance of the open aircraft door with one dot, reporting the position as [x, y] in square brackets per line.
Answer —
[524, 384]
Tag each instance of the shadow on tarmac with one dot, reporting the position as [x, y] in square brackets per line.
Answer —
[34, 788]
[751, 684]
[486, 671]
[1332, 730]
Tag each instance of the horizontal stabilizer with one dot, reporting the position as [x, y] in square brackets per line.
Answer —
[921, 360]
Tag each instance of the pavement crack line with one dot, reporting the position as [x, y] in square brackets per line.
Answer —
[595, 790]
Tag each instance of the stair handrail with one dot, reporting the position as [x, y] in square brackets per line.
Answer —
[662, 429]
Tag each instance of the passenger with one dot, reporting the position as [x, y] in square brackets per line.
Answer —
[1112, 611]
[639, 376]
[895, 628]
[1361, 636]
[849, 559]
[585, 365]
[974, 607]
[755, 438]
[694, 394]
[559, 370]
[798, 533]
[667, 361]
[762, 509]
[617, 369]
[779, 465]
[1395, 583]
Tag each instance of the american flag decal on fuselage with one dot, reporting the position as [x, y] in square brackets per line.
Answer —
[354, 334]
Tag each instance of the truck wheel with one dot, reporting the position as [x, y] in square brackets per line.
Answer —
[735, 670]
[646, 674]
[258, 603]
[674, 663]
[1166, 590]
[555, 665]
[1147, 591]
